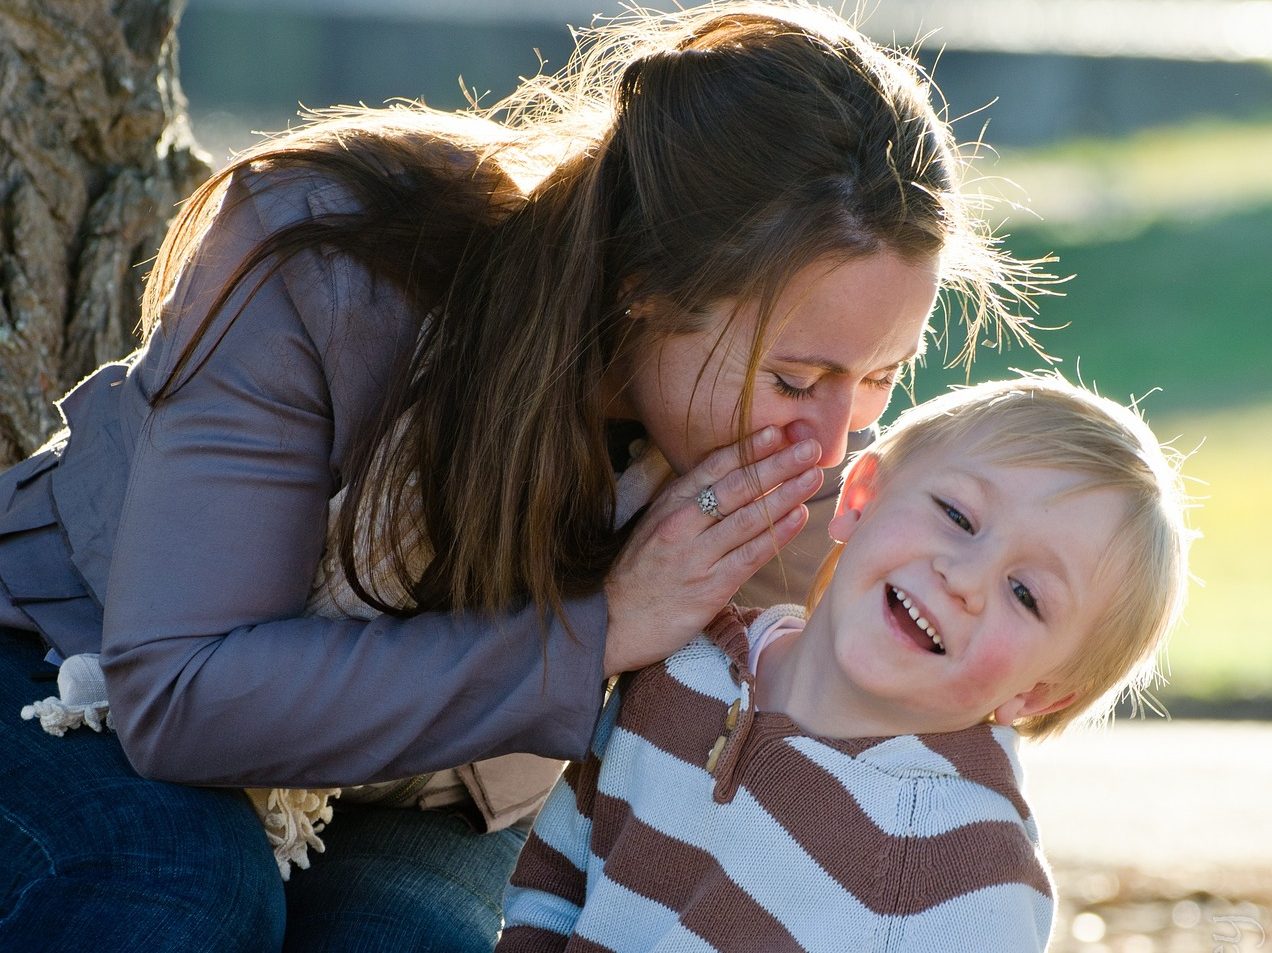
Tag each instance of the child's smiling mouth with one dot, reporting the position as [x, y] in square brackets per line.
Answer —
[912, 623]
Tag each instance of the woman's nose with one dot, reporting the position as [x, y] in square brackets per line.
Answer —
[962, 579]
[830, 426]
[834, 445]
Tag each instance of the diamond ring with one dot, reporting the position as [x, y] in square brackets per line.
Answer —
[708, 503]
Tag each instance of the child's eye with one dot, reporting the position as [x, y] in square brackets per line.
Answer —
[1024, 596]
[787, 389]
[956, 517]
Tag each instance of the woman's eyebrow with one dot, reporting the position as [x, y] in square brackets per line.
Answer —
[834, 367]
[830, 367]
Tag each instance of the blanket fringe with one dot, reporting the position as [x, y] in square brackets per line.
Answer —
[57, 718]
[80, 699]
[293, 818]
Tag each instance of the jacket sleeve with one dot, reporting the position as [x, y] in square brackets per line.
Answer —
[213, 674]
[548, 888]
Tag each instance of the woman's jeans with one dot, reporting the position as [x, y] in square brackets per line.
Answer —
[94, 857]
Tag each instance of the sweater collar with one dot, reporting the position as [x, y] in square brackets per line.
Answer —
[984, 754]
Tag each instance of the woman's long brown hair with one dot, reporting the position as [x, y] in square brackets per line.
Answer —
[682, 160]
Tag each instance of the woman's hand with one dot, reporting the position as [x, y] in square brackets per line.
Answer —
[681, 566]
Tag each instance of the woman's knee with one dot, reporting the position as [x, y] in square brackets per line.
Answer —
[24, 860]
[134, 864]
[206, 854]
[401, 879]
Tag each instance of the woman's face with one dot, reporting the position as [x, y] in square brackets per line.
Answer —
[839, 336]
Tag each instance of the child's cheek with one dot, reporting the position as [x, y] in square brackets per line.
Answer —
[982, 682]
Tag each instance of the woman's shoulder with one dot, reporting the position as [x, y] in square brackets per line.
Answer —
[324, 169]
[312, 302]
[285, 195]
[327, 286]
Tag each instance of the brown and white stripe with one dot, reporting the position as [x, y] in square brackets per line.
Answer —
[792, 843]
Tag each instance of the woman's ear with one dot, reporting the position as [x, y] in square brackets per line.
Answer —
[857, 492]
[653, 314]
[639, 305]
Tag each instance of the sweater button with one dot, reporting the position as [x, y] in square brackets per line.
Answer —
[714, 757]
[731, 718]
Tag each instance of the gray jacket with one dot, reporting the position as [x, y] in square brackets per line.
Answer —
[198, 528]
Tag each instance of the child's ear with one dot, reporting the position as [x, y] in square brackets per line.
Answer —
[858, 489]
[1042, 699]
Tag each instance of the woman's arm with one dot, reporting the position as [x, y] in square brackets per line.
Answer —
[213, 676]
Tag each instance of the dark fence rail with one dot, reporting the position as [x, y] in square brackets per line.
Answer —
[249, 67]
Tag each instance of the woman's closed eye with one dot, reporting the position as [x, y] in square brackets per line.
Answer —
[793, 391]
[887, 379]
[883, 380]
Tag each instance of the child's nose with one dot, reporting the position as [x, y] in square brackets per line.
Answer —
[962, 581]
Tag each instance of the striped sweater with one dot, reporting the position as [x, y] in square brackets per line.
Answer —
[697, 823]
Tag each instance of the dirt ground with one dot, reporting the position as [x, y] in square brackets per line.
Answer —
[1159, 836]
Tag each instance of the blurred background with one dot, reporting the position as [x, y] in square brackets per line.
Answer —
[1132, 139]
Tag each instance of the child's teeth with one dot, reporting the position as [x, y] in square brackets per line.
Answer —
[921, 622]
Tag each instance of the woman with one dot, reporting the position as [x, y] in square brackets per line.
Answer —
[351, 514]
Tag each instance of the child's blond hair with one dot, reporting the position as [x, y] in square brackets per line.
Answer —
[1045, 421]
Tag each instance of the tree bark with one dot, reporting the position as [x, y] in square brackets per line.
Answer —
[95, 152]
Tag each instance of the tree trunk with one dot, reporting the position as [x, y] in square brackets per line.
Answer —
[95, 152]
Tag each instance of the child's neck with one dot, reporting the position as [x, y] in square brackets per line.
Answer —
[792, 678]
[775, 675]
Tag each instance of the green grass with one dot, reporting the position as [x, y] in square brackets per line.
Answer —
[1181, 308]
[1223, 649]
[1172, 303]
[1090, 187]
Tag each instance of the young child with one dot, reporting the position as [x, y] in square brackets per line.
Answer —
[1012, 555]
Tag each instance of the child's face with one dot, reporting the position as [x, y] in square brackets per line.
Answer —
[1000, 564]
